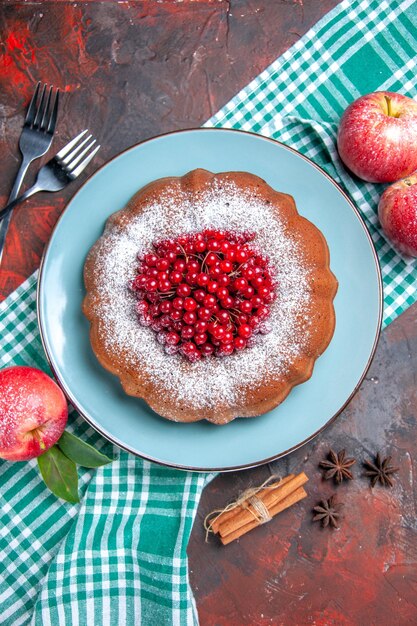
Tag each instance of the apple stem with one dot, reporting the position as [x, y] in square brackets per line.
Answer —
[408, 182]
[388, 101]
[390, 111]
[35, 433]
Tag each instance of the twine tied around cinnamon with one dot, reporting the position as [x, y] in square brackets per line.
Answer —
[248, 497]
[255, 506]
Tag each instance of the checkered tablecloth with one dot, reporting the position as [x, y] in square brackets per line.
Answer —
[119, 557]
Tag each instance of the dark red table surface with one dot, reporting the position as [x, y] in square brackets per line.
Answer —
[132, 70]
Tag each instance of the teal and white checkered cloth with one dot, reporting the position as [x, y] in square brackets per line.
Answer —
[119, 557]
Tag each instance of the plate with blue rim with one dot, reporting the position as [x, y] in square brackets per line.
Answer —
[129, 422]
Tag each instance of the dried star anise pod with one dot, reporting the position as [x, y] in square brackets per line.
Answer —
[337, 466]
[380, 471]
[327, 512]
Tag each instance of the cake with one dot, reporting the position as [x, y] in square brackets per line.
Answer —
[209, 296]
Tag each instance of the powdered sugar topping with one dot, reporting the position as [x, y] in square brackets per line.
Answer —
[212, 380]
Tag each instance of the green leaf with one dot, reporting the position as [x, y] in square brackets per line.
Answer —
[59, 474]
[81, 452]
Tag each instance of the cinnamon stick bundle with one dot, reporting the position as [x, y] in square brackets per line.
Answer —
[256, 507]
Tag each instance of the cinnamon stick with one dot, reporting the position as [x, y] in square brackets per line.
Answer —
[288, 501]
[269, 497]
[227, 515]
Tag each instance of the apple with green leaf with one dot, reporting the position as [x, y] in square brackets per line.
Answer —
[33, 413]
[377, 137]
[397, 210]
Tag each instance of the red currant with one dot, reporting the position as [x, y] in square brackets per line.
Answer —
[176, 314]
[190, 304]
[162, 265]
[226, 349]
[191, 278]
[263, 292]
[178, 303]
[245, 306]
[175, 277]
[263, 312]
[154, 310]
[142, 306]
[228, 302]
[151, 284]
[189, 247]
[202, 279]
[210, 301]
[230, 254]
[211, 258]
[223, 280]
[212, 286]
[164, 286]
[177, 326]
[171, 256]
[165, 321]
[204, 313]
[240, 284]
[172, 338]
[183, 290]
[140, 281]
[218, 332]
[151, 259]
[226, 266]
[204, 294]
[215, 271]
[244, 331]
[190, 317]
[227, 337]
[193, 266]
[180, 265]
[187, 332]
[214, 245]
[222, 293]
[239, 343]
[199, 295]
[200, 246]
[200, 338]
[242, 255]
[223, 317]
[254, 321]
[206, 349]
[248, 272]
[201, 326]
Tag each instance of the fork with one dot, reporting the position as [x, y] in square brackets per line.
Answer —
[63, 168]
[35, 140]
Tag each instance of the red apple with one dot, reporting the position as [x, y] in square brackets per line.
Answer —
[377, 138]
[397, 212]
[33, 413]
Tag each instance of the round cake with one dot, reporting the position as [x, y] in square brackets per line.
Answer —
[209, 296]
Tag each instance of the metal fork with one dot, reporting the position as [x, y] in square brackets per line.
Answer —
[35, 139]
[63, 168]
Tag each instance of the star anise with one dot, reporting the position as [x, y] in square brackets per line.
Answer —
[380, 471]
[327, 512]
[337, 466]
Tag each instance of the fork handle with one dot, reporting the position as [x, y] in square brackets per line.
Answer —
[9, 207]
[4, 225]
[19, 178]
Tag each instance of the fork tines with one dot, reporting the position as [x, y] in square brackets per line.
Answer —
[71, 157]
[41, 114]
